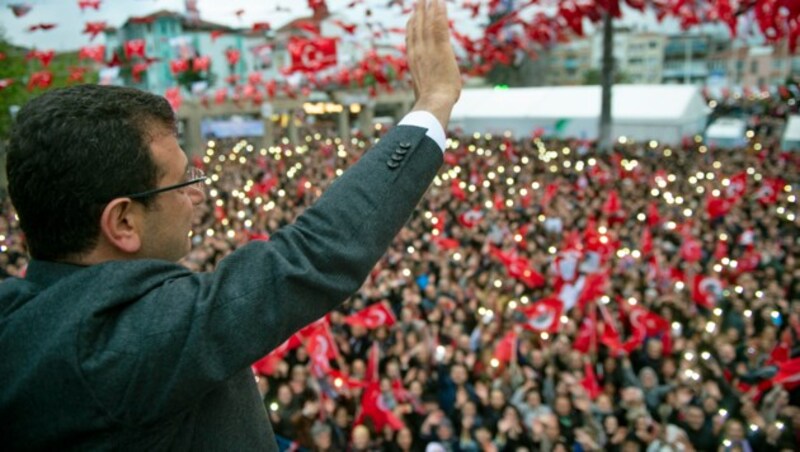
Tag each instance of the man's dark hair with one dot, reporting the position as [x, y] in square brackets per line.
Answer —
[74, 149]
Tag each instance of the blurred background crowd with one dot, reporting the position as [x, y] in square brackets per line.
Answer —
[544, 296]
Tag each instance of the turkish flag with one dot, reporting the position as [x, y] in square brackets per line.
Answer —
[342, 379]
[372, 317]
[268, 364]
[716, 206]
[648, 321]
[311, 55]
[134, 47]
[788, 374]
[691, 250]
[544, 315]
[446, 243]
[769, 190]
[520, 268]
[321, 347]
[706, 290]
[505, 349]
[470, 218]
[457, 191]
[589, 381]
[587, 334]
[374, 407]
[97, 53]
[737, 186]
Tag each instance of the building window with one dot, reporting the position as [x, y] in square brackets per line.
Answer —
[754, 66]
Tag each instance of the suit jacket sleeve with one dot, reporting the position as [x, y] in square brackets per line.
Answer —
[189, 332]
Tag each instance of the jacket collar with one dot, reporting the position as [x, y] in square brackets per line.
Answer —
[46, 273]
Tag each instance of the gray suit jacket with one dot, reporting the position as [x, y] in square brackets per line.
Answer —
[145, 355]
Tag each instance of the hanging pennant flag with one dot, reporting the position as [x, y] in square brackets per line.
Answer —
[261, 27]
[178, 66]
[93, 29]
[348, 28]
[43, 27]
[311, 55]
[45, 57]
[41, 80]
[201, 63]
[97, 53]
[173, 96]
[134, 47]
[232, 55]
[20, 9]
[137, 70]
[76, 74]
[83, 4]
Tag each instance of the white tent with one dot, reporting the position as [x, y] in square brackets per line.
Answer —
[662, 112]
[791, 136]
[726, 132]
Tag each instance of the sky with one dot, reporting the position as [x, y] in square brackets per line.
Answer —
[70, 19]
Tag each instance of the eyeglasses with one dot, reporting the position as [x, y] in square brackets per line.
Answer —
[195, 179]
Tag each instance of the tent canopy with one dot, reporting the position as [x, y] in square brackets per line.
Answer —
[726, 132]
[665, 112]
[791, 136]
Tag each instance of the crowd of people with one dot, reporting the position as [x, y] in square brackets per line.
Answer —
[545, 296]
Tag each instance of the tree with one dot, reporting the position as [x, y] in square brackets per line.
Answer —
[18, 65]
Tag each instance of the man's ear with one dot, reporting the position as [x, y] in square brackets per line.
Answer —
[121, 225]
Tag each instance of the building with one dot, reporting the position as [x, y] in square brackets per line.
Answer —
[567, 64]
[638, 55]
[685, 58]
[170, 36]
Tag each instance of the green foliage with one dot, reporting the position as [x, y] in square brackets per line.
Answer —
[17, 68]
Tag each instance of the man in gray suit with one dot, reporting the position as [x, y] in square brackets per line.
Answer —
[108, 343]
